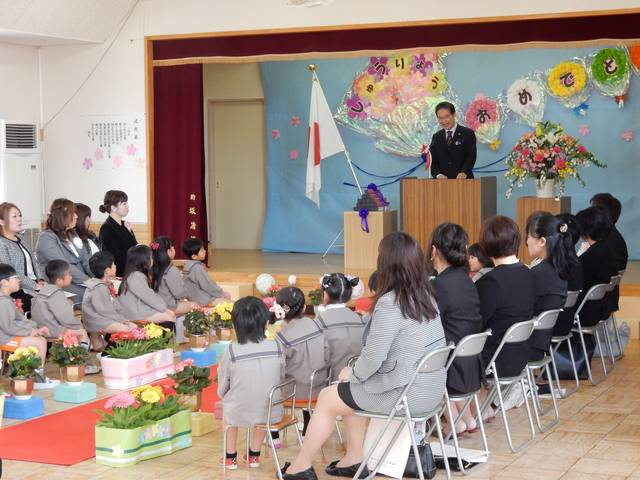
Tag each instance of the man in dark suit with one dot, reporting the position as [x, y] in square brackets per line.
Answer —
[453, 149]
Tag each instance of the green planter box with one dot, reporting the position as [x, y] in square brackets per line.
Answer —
[122, 448]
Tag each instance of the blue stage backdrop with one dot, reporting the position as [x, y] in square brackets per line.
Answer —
[293, 223]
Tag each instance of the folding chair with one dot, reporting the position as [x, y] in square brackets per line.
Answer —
[431, 362]
[311, 400]
[556, 342]
[544, 322]
[517, 333]
[615, 282]
[595, 293]
[469, 346]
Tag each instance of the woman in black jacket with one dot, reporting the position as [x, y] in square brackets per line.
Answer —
[116, 236]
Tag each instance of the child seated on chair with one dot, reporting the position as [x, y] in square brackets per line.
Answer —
[249, 369]
[136, 299]
[342, 327]
[15, 330]
[200, 286]
[479, 263]
[304, 345]
[99, 314]
[167, 280]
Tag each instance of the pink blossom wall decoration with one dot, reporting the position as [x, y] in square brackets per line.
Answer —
[294, 154]
[295, 121]
[87, 163]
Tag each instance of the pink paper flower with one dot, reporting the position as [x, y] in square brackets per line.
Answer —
[481, 111]
[140, 162]
[180, 366]
[99, 154]
[69, 339]
[628, 135]
[295, 121]
[584, 130]
[421, 64]
[357, 107]
[122, 400]
[275, 134]
[293, 154]
[118, 161]
[378, 67]
[131, 149]
[87, 164]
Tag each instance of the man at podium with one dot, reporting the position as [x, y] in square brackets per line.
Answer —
[453, 149]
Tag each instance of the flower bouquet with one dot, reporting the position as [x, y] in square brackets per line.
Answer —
[142, 423]
[139, 356]
[22, 366]
[221, 320]
[71, 357]
[197, 325]
[550, 156]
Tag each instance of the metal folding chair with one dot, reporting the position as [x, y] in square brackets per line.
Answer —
[544, 322]
[556, 342]
[313, 383]
[595, 293]
[469, 346]
[615, 282]
[517, 333]
[431, 362]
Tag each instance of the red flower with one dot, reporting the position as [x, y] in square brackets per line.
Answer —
[560, 163]
[517, 147]
[525, 152]
[557, 149]
[581, 149]
[538, 156]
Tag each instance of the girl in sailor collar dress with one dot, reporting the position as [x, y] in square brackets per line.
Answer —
[249, 369]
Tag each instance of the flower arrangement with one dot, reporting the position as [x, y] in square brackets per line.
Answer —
[547, 154]
[23, 362]
[139, 407]
[139, 341]
[197, 321]
[190, 379]
[69, 351]
[221, 315]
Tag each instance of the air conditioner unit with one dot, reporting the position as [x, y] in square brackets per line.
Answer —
[21, 170]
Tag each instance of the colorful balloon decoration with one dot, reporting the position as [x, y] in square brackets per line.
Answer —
[634, 57]
[610, 73]
[484, 116]
[569, 83]
[526, 100]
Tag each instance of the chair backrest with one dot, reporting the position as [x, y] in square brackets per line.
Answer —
[615, 281]
[275, 400]
[547, 319]
[572, 298]
[597, 292]
[352, 360]
[621, 272]
[470, 346]
[319, 377]
[518, 332]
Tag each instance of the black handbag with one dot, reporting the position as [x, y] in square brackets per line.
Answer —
[426, 460]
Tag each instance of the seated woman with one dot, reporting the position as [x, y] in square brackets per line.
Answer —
[507, 295]
[57, 242]
[459, 307]
[549, 242]
[598, 262]
[88, 241]
[405, 326]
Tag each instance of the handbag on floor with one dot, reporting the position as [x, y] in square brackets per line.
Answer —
[563, 360]
[426, 460]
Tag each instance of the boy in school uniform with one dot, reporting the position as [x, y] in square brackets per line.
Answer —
[201, 289]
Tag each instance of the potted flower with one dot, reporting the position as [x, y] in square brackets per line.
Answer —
[197, 325]
[70, 357]
[22, 366]
[139, 356]
[315, 299]
[190, 381]
[221, 321]
[551, 157]
[142, 423]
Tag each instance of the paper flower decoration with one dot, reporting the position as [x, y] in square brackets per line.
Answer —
[568, 82]
[526, 99]
[378, 67]
[401, 65]
[634, 57]
[87, 163]
[99, 154]
[584, 130]
[421, 64]
[628, 135]
[357, 107]
[610, 72]
[295, 121]
[436, 83]
[366, 87]
[483, 115]
[275, 134]
[131, 149]
[118, 161]
[293, 154]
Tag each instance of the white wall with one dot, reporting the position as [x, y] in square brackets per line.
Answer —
[19, 86]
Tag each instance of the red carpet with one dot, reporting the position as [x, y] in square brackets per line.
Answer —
[67, 437]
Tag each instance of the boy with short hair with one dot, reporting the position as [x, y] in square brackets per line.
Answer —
[198, 284]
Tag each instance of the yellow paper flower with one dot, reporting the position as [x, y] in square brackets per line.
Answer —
[366, 86]
[567, 79]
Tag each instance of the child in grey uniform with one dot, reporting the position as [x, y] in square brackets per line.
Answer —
[167, 280]
[342, 327]
[249, 369]
[304, 344]
[200, 287]
[137, 300]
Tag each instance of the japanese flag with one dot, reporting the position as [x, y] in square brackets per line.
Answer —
[324, 140]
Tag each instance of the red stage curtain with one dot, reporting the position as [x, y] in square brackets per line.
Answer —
[179, 173]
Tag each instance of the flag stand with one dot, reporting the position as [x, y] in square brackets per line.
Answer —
[312, 67]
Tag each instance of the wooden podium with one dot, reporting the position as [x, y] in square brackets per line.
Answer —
[525, 206]
[426, 203]
[360, 247]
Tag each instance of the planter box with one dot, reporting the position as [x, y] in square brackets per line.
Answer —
[122, 448]
[121, 374]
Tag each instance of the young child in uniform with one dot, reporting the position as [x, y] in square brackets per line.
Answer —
[167, 280]
[249, 369]
[201, 289]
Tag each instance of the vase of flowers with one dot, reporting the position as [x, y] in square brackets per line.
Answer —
[22, 366]
[70, 357]
[190, 381]
[549, 156]
[142, 423]
[197, 326]
[221, 321]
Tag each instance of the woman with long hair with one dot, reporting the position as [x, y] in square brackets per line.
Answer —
[116, 235]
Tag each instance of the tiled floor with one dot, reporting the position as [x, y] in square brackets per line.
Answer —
[598, 437]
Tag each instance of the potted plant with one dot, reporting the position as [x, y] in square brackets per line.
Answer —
[70, 357]
[315, 299]
[139, 356]
[142, 423]
[22, 366]
[551, 157]
[197, 325]
[190, 381]
[221, 321]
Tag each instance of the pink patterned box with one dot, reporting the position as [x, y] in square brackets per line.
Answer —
[121, 374]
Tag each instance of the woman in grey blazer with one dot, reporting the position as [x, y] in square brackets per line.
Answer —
[404, 327]
[56, 243]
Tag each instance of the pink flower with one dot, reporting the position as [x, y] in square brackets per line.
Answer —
[628, 135]
[293, 154]
[180, 366]
[99, 155]
[584, 130]
[118, 161]
[69, 339]
[556, 149]
[131, 149]
[378, 67]
[526, 152]
[269, 301]
[581, 149]
[538, 156]
[122, 400]
[138, 334]
[87, 164]
[560, 163]
[275, 134]
[357, 107]
[295, 121]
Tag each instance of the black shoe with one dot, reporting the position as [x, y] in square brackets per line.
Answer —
[308, 474]
[333, 469]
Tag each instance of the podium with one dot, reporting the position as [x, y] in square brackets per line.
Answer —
[426, 203]
[360, 247]
[525, 206]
